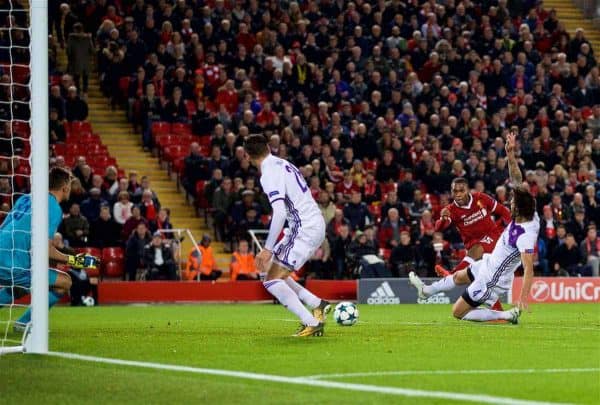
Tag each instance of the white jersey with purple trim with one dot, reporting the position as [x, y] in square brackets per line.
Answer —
[494, 273]
[281, 180]
[515, 239]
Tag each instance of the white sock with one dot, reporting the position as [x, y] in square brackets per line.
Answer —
[305, 296]
[484, 314]
[445, 284]
[288, 298]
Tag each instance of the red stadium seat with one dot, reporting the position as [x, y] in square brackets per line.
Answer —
[173, 152]
[370, 165]
[20, 74]
[204, 142]
[178, 165]
[375, 210]
[385, 253]
[124, 85]
[113, 269]
[102, 161]
[181, 129]
[21, 129]
[59, 149]
[88, 138]
[113, 253]
[387, 188]
[80, 126]
[190, 105]
[161, 128]
[113, 262]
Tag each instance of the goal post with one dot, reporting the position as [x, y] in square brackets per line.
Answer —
[37, 341]
[24, 118]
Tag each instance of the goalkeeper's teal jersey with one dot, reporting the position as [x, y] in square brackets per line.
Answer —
[15, 235]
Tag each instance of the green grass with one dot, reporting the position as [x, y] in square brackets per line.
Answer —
[256, 338]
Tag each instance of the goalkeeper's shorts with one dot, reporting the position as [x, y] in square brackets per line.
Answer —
[22, 278]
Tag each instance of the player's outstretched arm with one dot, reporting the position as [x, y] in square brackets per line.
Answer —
[527, 260]
[516, 177]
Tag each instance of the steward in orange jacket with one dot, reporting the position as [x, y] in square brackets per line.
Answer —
[204, 266]
[242, 264]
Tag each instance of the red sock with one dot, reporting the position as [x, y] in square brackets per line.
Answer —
[460, 266]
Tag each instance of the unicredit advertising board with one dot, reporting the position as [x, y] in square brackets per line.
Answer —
[560, 289]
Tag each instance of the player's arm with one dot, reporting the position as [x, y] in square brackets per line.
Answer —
[274, 187]
[277, 222]
[444, 221]
[55, 255]
[514, 171]
[527, 260]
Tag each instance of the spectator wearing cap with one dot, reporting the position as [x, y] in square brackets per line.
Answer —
[201, 264]
[76, 108]
[158, 260]
[247, 202]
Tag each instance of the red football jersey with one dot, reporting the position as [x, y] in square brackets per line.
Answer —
[474, 221]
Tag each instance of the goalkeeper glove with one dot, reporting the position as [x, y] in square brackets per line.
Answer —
[83, 261]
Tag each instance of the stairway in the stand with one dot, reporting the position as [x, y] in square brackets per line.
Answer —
[125, 145]
[572, 17]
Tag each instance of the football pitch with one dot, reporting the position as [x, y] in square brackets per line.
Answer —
[245, 354]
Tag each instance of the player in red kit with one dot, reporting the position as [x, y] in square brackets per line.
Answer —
[471, 213]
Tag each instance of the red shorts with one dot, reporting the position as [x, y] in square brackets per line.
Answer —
[487, 242]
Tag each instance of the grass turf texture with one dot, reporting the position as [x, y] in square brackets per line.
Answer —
[257, 338]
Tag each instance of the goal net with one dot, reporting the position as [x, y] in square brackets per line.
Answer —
[22, 172]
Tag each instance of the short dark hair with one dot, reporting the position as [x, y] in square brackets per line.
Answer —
[460, 180]
[524, 203]
[256, 146]
[58, 178]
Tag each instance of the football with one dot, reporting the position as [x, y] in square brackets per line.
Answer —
[88, 301]
[345, 314]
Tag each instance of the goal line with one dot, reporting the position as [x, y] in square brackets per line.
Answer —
[396, 391]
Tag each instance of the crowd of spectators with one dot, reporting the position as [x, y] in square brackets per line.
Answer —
[380, 104]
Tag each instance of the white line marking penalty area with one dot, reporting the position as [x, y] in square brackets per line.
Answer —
[443, 372]
[406, 392]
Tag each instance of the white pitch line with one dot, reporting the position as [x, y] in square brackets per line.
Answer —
[406, 392]
[442, 372]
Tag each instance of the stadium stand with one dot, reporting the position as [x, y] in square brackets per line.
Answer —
[385, 100]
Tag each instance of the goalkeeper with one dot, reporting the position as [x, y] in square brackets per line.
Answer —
[15, 246]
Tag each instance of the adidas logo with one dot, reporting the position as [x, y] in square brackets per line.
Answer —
[383, 295]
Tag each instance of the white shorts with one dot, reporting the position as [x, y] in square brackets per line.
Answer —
[484, 286]
[299, 243]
